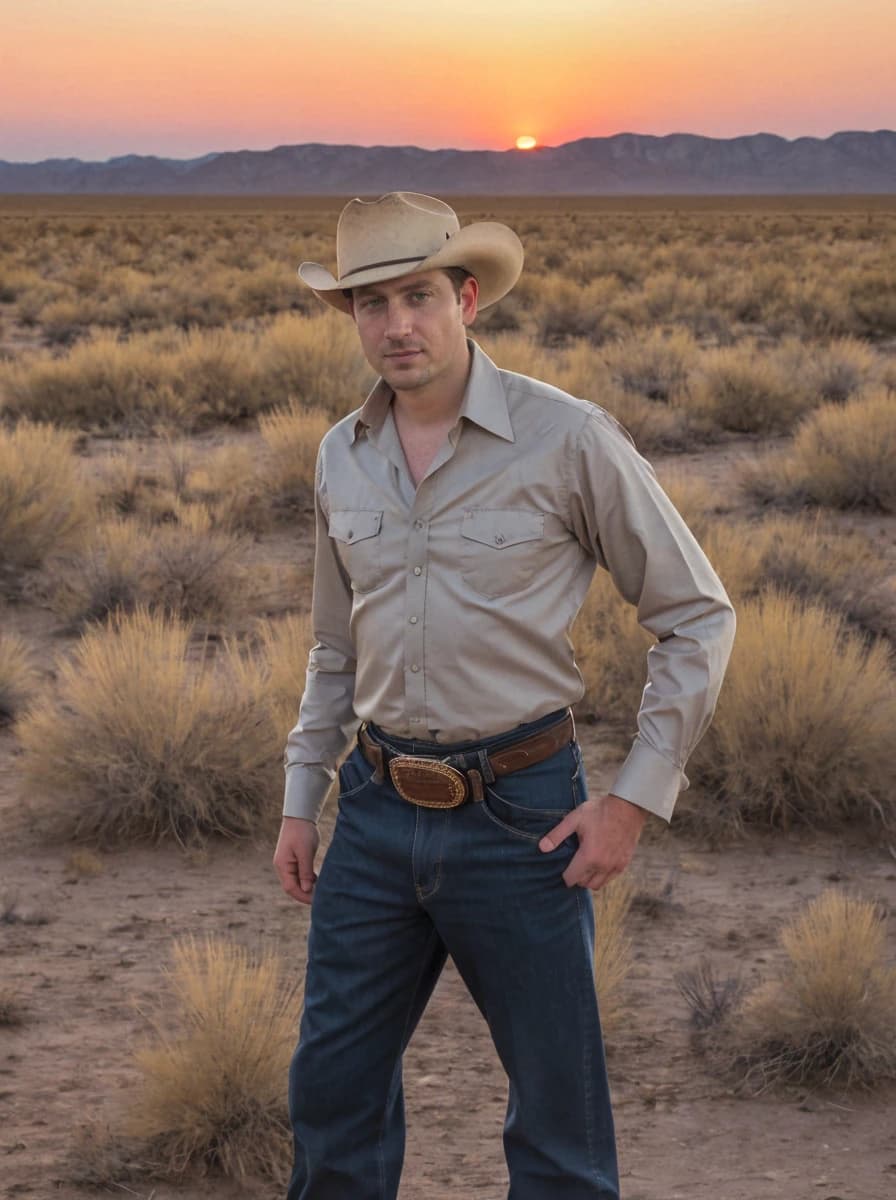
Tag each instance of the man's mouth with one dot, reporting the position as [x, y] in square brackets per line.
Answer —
[402, 354]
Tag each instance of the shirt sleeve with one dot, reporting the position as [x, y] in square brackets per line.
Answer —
[619, 512]
[327, 718]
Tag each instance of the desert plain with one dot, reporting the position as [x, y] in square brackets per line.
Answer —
[164, 382]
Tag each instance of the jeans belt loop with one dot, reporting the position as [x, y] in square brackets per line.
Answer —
[485, 767]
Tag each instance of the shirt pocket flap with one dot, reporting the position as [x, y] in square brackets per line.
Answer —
[502, 527]
[352, 525]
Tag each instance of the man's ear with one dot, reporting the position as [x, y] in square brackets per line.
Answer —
[469, 299]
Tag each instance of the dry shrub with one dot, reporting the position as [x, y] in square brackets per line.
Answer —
[12, 1007]
[18, 676]
[147, 745]
[804, 724]
[285, 644]
[839, 370]
[83, 864]
[802, 556]
[213, 1093]
[186, 569]
[827, 1016]
[568, 310]
[655, 365]
[842, 456]
[100, 382]
[612, 946]
[316, 361]
[231, 484]
[745, 391]
[612, 650]
[292, 435]
[44, 505]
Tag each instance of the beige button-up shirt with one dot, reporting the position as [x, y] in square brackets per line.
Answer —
[443, 612]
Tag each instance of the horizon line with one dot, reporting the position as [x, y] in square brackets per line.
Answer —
[512, 149]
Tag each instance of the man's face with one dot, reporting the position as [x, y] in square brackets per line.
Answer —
[413, 329]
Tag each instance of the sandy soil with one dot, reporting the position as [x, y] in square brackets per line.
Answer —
[80, 950]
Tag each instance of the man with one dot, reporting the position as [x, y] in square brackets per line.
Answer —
[461, 513]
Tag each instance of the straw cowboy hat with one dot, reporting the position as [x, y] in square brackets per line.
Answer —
[405, 232]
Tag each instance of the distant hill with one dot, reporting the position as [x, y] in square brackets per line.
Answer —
[625, 163]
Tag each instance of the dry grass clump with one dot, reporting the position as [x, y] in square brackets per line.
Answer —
[285, 643]
[655, 365]
[747, 391]
[827, 1017]
[12, 1007]
[146, 744]
[83, 864]
[315, 361]
[213, 1093]
[612, 946]
[44, 505]
[801, 555]
[838, 371]
[292, 435]
[611, 648]
[804, 724]
[192, 379]
[18, 676]
[842, 456]
[187, 570]
[212, 1097]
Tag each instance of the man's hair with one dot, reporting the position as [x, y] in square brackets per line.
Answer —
[457, 275]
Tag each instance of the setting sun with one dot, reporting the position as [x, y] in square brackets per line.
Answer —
[525, 142]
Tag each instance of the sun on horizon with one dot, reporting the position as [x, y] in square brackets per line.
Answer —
[525, 142]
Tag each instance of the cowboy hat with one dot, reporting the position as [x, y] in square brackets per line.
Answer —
[405, 232]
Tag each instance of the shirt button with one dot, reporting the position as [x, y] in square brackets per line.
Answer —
[418, 524]
[499, 539]
[413, 620]
[418, 570]
[414, 668]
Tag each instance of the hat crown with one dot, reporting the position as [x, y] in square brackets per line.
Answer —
[399, 227]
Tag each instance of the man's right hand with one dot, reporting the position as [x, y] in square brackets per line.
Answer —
[294, 857]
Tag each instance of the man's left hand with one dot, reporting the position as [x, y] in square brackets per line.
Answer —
[608, 829]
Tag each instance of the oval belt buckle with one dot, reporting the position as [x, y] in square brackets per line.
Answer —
[427, 782]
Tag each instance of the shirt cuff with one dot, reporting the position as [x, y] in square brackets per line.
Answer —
[649, 780]
[306, 791]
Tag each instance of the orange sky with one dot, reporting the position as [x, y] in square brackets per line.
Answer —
[94, 78]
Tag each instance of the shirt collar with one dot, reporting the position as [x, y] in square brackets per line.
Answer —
[484, 403]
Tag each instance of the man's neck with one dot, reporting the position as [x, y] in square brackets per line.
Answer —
[437, 404]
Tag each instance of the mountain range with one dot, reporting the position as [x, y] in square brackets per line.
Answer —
[626, 163]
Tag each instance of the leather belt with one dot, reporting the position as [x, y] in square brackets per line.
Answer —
[433, 782]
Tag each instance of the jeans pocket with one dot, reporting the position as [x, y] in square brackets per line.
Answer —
[528, 803]
[354, 775]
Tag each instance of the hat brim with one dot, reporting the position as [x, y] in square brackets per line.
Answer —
[490, 251]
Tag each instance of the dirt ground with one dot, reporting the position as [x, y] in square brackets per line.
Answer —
[80, 951]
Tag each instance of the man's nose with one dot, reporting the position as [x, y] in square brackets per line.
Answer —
[398, 320]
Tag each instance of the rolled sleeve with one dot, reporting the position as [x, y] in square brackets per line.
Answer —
[619, 511]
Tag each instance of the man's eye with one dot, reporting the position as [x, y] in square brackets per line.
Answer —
[420, 296]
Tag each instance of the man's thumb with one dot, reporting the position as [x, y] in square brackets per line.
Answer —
[558, 834]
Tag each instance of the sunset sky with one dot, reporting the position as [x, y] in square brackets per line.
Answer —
[96, 78]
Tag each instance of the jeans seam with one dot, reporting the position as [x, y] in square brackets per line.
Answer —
[588, 1054]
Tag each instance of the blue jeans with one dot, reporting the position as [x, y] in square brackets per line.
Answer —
[402, 887]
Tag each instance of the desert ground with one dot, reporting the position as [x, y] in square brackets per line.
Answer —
[178, 379]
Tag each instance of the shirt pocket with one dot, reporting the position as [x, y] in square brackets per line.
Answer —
[502, 549]
[356, 532]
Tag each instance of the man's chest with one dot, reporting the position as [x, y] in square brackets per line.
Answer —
[493, 521]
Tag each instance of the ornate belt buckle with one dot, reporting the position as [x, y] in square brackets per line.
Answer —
[428, 782]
